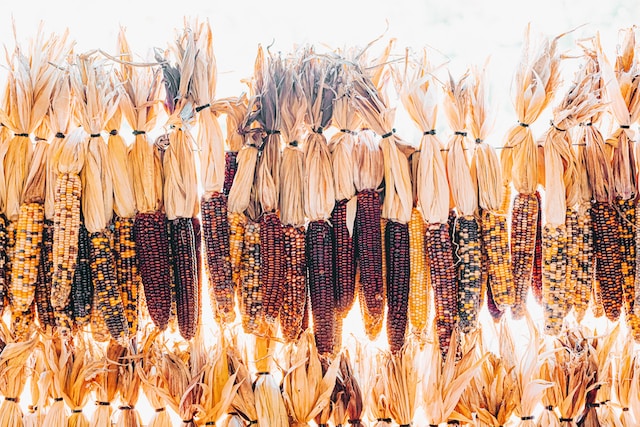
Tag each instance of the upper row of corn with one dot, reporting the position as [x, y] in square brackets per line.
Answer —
[294, 223]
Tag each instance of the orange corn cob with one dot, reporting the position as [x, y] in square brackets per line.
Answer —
[295, 284]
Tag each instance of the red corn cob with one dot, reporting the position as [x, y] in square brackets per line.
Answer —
[272, 264]
[524, 235]
[345, 263]
[398, 272]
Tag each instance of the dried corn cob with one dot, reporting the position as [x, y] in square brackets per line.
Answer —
[451, 221]
[216, 237]
[107, 291]
[26, 256]
[554, 293]
[185, 260]
[419, 277]
[99, 329]
[237, 224]
[150, 232]
[626, 226]
[295, 287]
[585, 267]
[197, 231]
[45, 271]
[82, 287]
[368, 247]
[571, 226]
[398, 279]
[536, 275]
[606, 236]
[524, 218]
[250, 289]
[494, 309]
[345, 268]
[443, 279]
[230, 169]
[467, 239]
[495, 238]
[23, 323]
[319, 254]
[4, 261]
[636, 305]
[127, 269]
[272, 265]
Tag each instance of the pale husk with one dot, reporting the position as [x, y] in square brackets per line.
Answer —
[269, 401]
[461, 182]
[419, 97]
[5, 135]
[244, 400]
[13, 374]
[624, 371]
[402, 383]
[39, 396]
[494, 387]
[34, 186]
[104, 376]
[235, 109]
[60, 114]
[603, 347]
[306, 391]
[124, 201]
[129, 388]
[240, 193]
[372, 106]
[535, 83]
[634, 394]
[97, 186]
[153, 382]
[378, 401]
[446, 380]
[369, 161]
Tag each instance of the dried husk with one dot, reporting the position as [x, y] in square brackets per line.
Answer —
[38, 407]
[269, 401]
[378, 400]
[603, 347]
[634, 394]
[235, 109]
[494, 387]
[129, 387]
[124, 202]
[244, 400]
[5, 136]
[13, 375]
[535, 83]
[402, 383]
[306, 390]
[240, 193]
[104, 376]
[34, 187]
[153, 382]
[624, 371]
[418, 95]
[372, 106]
[369, 161]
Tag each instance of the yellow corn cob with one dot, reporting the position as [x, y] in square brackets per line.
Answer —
[23, 323]
[66, 224]
[237, 224]
[554, 270]
[26, 256]
[571, 224]
[251, 298]
[585, 273]
[495, 238]
[418, 290]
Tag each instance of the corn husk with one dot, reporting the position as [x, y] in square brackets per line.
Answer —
[402, 383]
[446, 380]
[37, 410]
[378, 400]
[603, 346]
[13, 375]
[129, 387]
[5, 136]
[235, 109]
[153, 382]
[31, 79]
[369, 161]
[418, 95]
[494, 386]
[372, 106]
[622, 382]
[293, 105]
[524, 368]
[124, 202]
[104, 376]
[306, 389]
[244, 400]
[634, 394]
[535, 83]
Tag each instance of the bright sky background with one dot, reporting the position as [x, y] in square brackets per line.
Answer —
[466, 32]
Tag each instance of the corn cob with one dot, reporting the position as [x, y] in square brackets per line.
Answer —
[319, 255]
[467, 240]
[345, 284]
[524, 219]
[26, 256]
[398, 279]
[230, 169]
[495, 239]
[484, 273]
[636, 305]
[99, 329]
[554, 273]
[626, 226]
[585, 270]
[571, 225]
[82, 288]
[606, 236]
[237, 224]
[106, 290]
[443, 280]
[127, 269]
[295, 285]
[536, 275]
[150, 232]
[368, 249]
[272, 265]
[451, 221]
[250, 289]
[185, 260]
[4, 261]
[197, 231]
[45, 271]
[418, 281]
[66, 224]
[23, 323]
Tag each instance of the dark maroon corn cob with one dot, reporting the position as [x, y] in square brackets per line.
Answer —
[272, 265]
[398, 271]
[230, 169]
[344, 255]
[82, 286]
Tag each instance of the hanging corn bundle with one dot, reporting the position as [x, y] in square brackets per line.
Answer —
[152, 380]
[13, 375]
[485, 168]
[446, 380]
[536, 80]
[293, 105]
[96, 101]
[341, 146]
[372, 106]
[418, 97]
[589, 416]
[524, 369]
[269, 401]
[317, 79]
[76, 385]
[213, 203]
[562, 194]
[550, 397]
[620, 87]
[104, 373]
[465, 197]
[306, 389]
[351, 391]
[181, 184]
[635, 389]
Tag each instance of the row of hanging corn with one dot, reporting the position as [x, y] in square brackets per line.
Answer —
[295, 227]
[575, 379]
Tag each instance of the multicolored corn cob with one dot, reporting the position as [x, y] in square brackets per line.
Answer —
[536, 275]
[554, 273]
[45, 314]
[230, 169]
[237, 224]
[127, 269]
[4, 261]
[469, 270]
[571, 279]
[586, 264]
[524, 225]
[272, 265]
[495, 239]
[250, 289]
[295, 284]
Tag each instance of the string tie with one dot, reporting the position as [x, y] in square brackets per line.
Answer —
[388, 134]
